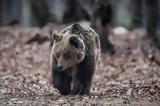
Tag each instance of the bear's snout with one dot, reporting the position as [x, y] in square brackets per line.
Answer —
[60, 67]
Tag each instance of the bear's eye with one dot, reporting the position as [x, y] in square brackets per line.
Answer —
[66, 55]
[57, 55]
[74, 42]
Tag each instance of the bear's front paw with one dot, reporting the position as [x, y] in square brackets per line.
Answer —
[64, 92]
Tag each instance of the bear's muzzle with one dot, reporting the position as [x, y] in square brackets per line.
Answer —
[60, 67]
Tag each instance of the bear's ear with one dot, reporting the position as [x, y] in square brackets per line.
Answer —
[55, 36]
[76, 42]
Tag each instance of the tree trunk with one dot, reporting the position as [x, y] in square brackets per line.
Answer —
[137, 13]
[40, 10]
[152, 19]
[151, 44]
[100, 22]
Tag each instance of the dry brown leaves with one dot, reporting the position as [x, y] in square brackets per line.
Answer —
[125, 77]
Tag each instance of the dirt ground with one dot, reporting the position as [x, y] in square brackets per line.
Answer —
[126, 78]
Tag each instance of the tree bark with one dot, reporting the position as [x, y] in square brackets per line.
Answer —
[40, 10]
[137, 13]
[152, 19]
[100, 22]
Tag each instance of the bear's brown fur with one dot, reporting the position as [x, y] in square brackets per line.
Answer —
[73, 59]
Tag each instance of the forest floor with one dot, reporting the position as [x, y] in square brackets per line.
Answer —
[126, 78]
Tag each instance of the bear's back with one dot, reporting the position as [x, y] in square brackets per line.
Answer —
[88, 35]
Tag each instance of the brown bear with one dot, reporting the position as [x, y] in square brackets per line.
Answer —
[73, 59]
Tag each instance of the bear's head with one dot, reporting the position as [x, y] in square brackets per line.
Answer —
[68, 50]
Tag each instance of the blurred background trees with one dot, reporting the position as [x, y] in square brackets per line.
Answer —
[100, 13]
[41, 12]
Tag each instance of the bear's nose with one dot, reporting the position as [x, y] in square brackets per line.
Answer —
[60, 67]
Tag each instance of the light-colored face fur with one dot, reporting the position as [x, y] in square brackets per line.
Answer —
[68, 50]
